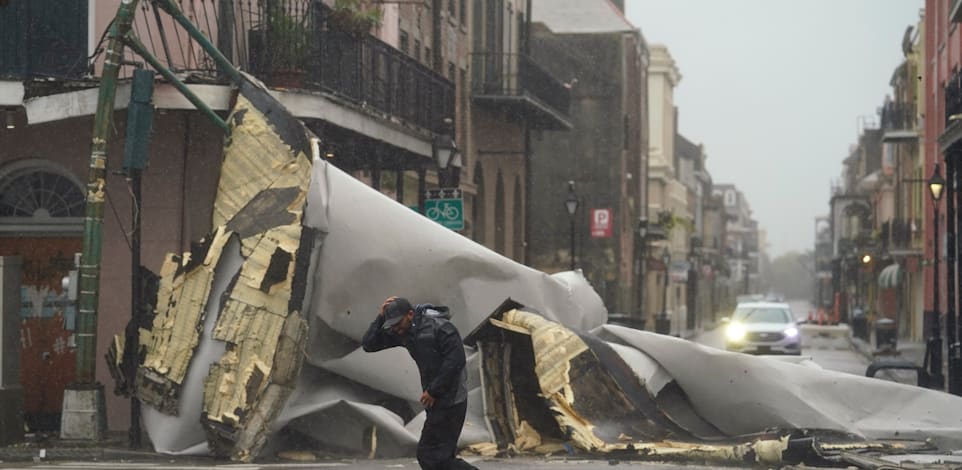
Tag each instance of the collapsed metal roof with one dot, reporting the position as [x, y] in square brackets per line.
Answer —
[255, 341]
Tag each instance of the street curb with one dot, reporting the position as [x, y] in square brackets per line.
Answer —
[861, 347]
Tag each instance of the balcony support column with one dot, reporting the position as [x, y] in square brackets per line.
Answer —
[399, 180]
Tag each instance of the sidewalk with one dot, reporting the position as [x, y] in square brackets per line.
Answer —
[913, 351]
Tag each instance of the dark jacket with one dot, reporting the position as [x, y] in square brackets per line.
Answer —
[435, 345]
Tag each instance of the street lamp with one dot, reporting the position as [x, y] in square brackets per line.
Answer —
[642, 268]
[934, 348]
[662, 323]
[571, 204]
[448, 157]
[694, 310]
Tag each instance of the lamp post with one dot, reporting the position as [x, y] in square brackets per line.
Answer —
[448, 158]
[662, 323]
[694, 307]
[571, 204]
[642, 269]
[934, 347]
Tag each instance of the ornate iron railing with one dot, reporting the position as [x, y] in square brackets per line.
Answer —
[953, 98]
[299, 44]
[898, 116]
[43, 39]
[511, 74]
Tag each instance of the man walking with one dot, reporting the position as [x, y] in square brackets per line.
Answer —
[435, 345]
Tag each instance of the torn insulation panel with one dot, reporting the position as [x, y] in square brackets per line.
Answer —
[183, 294]
[261, 196]
[541, 376]
[259, 312]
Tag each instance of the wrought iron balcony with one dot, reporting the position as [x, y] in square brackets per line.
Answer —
[314, 48]
[513, 82]
[899, 121]
[43, 39]
[294, 44]
[358, 67]
[953, 99]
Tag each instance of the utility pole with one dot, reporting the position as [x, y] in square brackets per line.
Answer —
[139, 123]
[86, 393]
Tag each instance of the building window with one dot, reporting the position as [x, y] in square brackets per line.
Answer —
[451, 10]
[417, 50]
[403, 43]
[451, 70]
[463, 8]
[37, 192]
[427, 56]
[38, 196]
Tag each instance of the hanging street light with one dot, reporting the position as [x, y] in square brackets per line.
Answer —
[571, 204]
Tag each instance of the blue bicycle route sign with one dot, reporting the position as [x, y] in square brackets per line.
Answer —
[447, 212]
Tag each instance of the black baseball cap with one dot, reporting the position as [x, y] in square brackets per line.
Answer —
[395, 311]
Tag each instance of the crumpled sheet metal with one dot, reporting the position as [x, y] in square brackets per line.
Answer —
[342, 259]
[338, 414]
[355, 247]
[741, 394]
[595, 398]
[375, 247]
[590, 424]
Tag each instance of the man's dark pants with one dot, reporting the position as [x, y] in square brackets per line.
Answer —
[439, 438]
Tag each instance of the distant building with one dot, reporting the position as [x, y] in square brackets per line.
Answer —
[603, 59]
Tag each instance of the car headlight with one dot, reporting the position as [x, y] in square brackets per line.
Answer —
[735, 332]
[791, 332]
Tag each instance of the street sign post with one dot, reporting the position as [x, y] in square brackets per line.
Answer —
[447, 212]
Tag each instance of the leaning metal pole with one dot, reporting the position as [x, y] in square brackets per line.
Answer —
[86, 394]
[88, 295]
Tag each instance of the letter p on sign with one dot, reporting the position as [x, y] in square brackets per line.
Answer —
[600, 223]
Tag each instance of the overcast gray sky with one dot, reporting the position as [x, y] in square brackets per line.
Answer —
[774, 88]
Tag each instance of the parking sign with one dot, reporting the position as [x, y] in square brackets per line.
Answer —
[600, 223]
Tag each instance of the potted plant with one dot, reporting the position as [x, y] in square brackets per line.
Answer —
[287, 45]
[355, 17]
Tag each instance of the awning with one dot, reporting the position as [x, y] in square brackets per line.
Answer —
[890, 276]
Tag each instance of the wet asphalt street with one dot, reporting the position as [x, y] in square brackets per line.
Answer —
[833, 353]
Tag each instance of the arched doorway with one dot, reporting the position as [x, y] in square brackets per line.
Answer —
[41, 221]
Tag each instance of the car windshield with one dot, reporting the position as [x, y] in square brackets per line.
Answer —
[761, 315]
